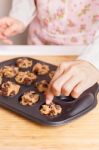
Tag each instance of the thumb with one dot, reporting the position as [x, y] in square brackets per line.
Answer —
[12, 30]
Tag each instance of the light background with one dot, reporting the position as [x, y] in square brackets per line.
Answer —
[5, 6]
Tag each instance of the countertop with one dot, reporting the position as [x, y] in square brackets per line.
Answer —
[17, 132]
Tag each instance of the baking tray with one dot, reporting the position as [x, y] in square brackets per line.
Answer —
[71, 108]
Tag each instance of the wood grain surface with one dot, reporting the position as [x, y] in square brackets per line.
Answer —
[19, 133]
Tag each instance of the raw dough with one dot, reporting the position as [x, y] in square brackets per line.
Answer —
[10, 71]
[29, 98]
[51, 74]
[26, 78]
[24, 63]
[40, 69]
[9, 89]
[51, 110]
[42, 86]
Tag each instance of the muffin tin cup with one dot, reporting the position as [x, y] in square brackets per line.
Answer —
[71, 108]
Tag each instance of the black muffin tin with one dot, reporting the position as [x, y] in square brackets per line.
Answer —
[71, 108]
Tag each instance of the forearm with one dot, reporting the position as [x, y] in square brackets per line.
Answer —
[23, 10]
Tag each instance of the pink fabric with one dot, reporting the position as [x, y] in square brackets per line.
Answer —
[64, 22]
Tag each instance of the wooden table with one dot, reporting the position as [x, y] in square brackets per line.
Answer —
[17, 132]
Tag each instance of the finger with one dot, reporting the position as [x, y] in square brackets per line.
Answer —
[2, 30]
[13, 33]
[60, 70]
[68, 87]
[10, 31]
[56, 75]
[5, 21]
[63, 67]
[2, 37]
[3, 27]
[5, 39]
[57, 85]
[2, 22]
[8, 41]
[49, 97]
[50, 94]
[79, 89]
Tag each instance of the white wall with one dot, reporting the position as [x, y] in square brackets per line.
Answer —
[5, 6]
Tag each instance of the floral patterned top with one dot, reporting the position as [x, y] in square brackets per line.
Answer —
[65, 22]
[62, 22]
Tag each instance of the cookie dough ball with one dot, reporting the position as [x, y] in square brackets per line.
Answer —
[51, 110]
[51, 74]
[24, 63]
[29, 98]
[42, 86]
[9, 89]
[10, 71]
[1, 76]
[40, 69]
[26, 78]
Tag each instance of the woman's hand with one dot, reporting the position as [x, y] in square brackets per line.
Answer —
[72, 78]
[10, 27]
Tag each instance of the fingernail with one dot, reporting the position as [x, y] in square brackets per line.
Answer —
[57, 94]
[48, 102]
